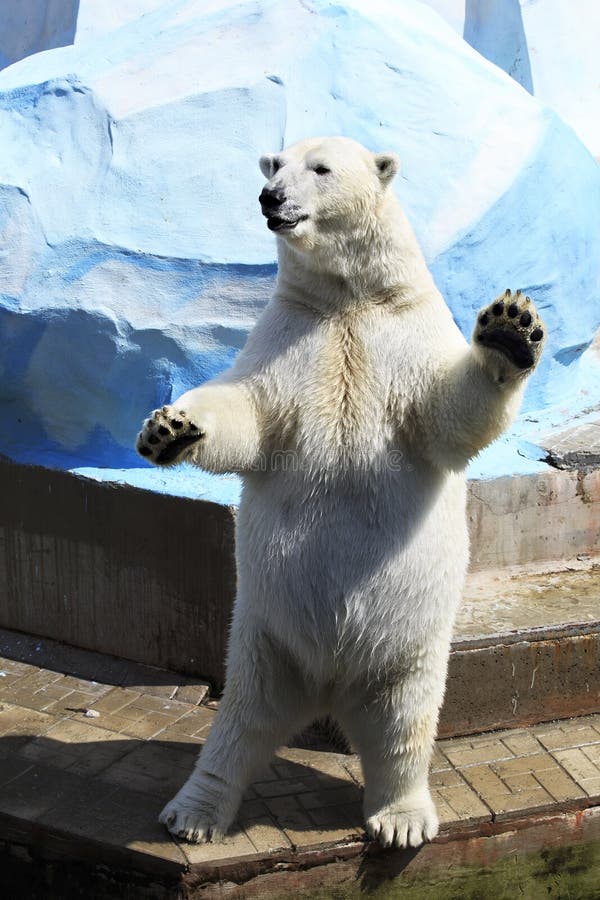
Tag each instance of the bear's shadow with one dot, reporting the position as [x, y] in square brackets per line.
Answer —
[103, 799]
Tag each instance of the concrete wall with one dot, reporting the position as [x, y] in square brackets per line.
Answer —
[152, 578]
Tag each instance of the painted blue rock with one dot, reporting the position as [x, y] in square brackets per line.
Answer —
[133, 256]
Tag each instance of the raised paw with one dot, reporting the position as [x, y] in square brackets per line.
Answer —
[512, 327]
[166, 435]
[403, 827]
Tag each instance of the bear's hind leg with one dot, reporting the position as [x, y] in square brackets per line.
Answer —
[266, 700]
[393, 727]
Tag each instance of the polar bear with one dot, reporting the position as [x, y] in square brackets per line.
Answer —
[350, 414]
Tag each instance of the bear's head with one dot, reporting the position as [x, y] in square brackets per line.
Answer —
[322, 188]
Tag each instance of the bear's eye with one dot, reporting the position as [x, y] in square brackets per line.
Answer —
[321, 170]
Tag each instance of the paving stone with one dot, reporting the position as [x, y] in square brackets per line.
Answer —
[264, 834]
[354, 769]
[58, 690]
[592, 751]
[195, 722]
[559, 785]
[85, 685]
[78, 748]
[131, 820]
[523, 765]
[37, 790]
[475, 752]
[172, 735]
[166, 685]
[567, 734]
[147, 727]
[15, 720]
[324, 798]
[268, 773]
[192, 693]
[111, 721]
[521, 743]
[136, 722]
[438, 761]
[285, 786]
[317, 762]
[302, 833]
[446, 814]
[15, 667]
[354, 814]
[118, 817]
[520, 793]
[72, 704]
[525, 781]
[484, 781]
[151, 768]
[165, 705]
[11, 745]
[253, 809]
[289, 770]
[282, 806]
[333, 818]
[523, 802]
[115, 700]
[462, 801]
[445, 778]
[234, 845]
[12, 767]
[581, 768]
[24, 692]
[8, 680]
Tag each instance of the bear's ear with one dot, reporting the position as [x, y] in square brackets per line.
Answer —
[387, 165]
[266, 165]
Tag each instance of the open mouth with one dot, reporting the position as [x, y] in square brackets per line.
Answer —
[275, 223]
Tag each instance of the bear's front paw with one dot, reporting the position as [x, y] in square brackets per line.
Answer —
[166, 435]
[512, 327]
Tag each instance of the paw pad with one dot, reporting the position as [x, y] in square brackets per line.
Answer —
[512, 327]
[166, 435]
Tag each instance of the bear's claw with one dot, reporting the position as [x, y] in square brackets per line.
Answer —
[196, 823]
[403, 827]
[511, 326]
[166, 435]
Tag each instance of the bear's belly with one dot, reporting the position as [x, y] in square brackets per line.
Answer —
[335, 566]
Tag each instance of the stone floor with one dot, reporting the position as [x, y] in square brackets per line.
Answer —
[89, 763]
[541, 599]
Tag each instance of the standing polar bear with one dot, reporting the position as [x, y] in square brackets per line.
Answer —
[351, 414]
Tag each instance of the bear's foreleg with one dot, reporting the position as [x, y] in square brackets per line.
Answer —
[476, 395]
[215, 426]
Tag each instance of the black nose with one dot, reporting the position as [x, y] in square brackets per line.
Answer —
[271, 199]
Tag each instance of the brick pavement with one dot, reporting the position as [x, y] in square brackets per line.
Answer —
[105, 778]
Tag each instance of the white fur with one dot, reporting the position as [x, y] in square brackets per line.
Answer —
[351, 414]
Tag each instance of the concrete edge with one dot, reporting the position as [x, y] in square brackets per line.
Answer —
[571, 821]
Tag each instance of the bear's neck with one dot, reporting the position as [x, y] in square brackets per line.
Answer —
[380, 261]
